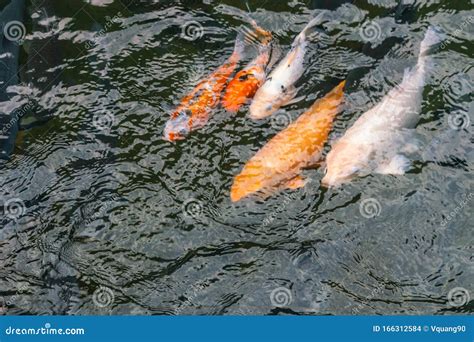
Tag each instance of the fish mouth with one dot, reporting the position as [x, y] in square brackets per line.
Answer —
[172, 137]
[327, 183]
[232, 106]
[257, 113]
[264, 109]
[255, 117]
[177, 127]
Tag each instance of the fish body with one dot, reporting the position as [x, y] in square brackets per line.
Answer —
[279, 89]
[195, 108]
[378, 140]
[246, 82]
[279, 163]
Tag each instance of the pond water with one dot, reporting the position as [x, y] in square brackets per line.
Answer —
[103, 216]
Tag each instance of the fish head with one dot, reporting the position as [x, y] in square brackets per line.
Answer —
[178, 127]
[267, 101]
[344, 162]
[269, 98]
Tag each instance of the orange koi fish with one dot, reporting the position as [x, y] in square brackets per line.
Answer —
[278, 165]
[245, 83]
[194, 110]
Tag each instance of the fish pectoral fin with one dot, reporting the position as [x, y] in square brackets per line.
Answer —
[296, 99]
[295, 183]
[275, 56]
[409, 140]
[315, 165]
[398, 165]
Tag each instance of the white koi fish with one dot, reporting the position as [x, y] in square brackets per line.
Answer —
[279, 88]
[378, 140]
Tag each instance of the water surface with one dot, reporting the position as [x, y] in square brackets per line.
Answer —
[105, 217]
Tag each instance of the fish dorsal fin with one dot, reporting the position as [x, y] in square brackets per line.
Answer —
[291, 57]
[406, 74]
[313, 22]
[275, 56]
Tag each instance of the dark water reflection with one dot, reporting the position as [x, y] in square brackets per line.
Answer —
[104, 216]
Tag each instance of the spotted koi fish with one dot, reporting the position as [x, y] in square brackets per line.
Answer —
[246, 82]
[195, 108]
[279, 88]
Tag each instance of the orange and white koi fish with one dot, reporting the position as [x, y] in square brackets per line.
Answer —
[378, 141]
[278, 165]
[195, 108]
[279, 87]
[246, 82]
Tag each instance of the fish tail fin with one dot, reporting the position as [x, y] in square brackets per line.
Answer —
[340, 87]
[259, 32]
[264, 35]
[313, 22]
[432, 37]
[257, 35]
[239, 48]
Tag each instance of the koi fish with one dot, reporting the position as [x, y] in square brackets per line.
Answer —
[246, 82]
[195, 108]
[279, 89]
[278, 165]
[378, 140]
